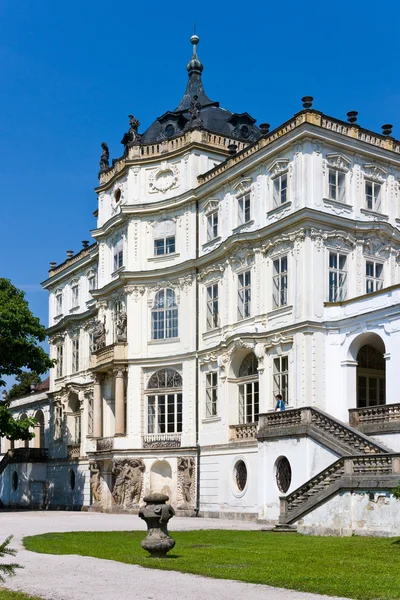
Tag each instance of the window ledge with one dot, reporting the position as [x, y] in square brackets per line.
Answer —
[74, 309]
[338, 203]
[281, 310]
[211, 419]
[117, 272]
[278, 209]
[243, 226]
[244, 320]
[210, 332]
[164, 341]
[90, 302]
[162, 257]
[58, 317]
[373, 213]
[215, 240]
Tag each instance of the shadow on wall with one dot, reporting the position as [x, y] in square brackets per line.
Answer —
[66, 486]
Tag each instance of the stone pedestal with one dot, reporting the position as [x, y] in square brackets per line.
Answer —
[157, 513]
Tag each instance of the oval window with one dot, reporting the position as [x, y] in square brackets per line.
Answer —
[244, 131]
[240, 475]
[117, 195]
[283, 474]
[72, 479]
[169, 130]
[15, 480]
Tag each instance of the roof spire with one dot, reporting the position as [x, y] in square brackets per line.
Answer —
[194, 65]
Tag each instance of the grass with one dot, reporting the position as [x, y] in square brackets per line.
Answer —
[355, 567]
[8, 595]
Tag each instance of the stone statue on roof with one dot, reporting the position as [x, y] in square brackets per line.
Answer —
[105, 157]
[194, 110]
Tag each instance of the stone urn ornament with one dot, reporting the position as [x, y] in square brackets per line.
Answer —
[157, 513]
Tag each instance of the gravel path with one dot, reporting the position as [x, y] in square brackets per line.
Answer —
[83, 578]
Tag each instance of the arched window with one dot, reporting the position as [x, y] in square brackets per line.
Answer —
[248, 390]
[39, 430]
[74, 419]
[164, 402]
[164, 237]
[24, 443]
[370, 377]
[164, 316]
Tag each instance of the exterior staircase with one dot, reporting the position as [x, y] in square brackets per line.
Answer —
[364, 463]
[339, 437]
[378, 471]
[23, 455]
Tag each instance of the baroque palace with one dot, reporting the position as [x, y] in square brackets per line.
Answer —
[230, 263]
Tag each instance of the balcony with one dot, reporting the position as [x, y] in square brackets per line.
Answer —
[106, 357]
[247, 431]
[376, 419]
[162, 440]
[105, 444]
[74, 451]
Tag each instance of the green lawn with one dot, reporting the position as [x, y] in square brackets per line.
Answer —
[355, 567]
[7, 595]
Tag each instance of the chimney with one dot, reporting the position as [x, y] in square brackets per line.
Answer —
[264, 128]
[53, 265]
[307, 101]
[85, 244]
[70, 253]
[352, 116]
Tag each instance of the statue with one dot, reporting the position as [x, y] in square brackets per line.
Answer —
[132, 136]
[99, 334]
[194, 110]
[95, 485]
[128, 482]
[105, 158]
[186, 466]
[121, 326]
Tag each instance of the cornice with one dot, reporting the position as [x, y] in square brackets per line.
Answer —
[70, 266]
[69, 320]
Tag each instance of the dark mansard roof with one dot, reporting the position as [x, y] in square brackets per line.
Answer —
[197, 111]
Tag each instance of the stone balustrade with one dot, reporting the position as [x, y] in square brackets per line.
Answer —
[107, 357]
[104, 444]
[74, 451]
[376, 419]
[247, 431]
[162, 440]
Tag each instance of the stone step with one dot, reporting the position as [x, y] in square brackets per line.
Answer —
[283, 528]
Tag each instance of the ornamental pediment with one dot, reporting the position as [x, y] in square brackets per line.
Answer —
[211, 205]
[278, 167]
[375, 172]
[243, 186]
[338, 161]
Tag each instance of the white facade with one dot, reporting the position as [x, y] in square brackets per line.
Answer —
[243, 274]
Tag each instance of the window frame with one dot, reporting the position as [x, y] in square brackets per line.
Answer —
[75, 355]
[212, 225]
[212, 306]
[118, 253]
[280, 377]
[339, 274]
[244, 206]
[74, 294]
[60, 360]
[279, 190]
[167, 319]
[164, 238]
[59, 302]
[154, 424]
[244, 290]
[376, 281]
[211, 395]
[280, 282]
[339, 194]
[374, 199]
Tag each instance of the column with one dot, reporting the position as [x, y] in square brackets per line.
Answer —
[97, 407]
[119, 402]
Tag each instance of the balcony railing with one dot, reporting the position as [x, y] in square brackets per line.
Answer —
[247, 431]
[376, 419]
[105, 444]
[74, 451]
[105, 357]
[162, 440]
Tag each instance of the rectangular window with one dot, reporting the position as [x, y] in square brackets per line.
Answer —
[92, 281]
[211, 394]
[337, 277]
[373, 276]
[75, 355]
[280, 282]
[90, 414]
[244, 212]
[212, 226]
[164, 316]
[60, 357]
[280, 190]
[373, 195]
[58, 422]
[164, 413]
[244, 295]
[337, 185]
[75, 295]
[164, 246]
[212, 307]
[248, 402]
[118, 254]
[59, 303]
[281, 377]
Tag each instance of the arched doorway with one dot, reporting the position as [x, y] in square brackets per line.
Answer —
[248, 389]
[371, 376]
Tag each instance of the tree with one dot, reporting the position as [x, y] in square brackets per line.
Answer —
[20, 335]
[7, 569]
[23, 387]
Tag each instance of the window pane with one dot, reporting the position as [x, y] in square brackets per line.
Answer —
[159, 247]
[170, 245]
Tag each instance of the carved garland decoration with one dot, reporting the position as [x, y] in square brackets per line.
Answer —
[164, 178]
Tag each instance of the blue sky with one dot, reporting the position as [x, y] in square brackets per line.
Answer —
[70, 73]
